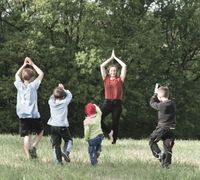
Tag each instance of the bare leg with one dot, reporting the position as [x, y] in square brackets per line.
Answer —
[111, 135]
[27, 144]
[37, 138]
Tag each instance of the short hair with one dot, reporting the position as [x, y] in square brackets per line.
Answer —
[58, 93]
[163, 91]
[27, 74]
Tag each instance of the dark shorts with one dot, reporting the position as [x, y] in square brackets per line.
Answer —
[30, 125]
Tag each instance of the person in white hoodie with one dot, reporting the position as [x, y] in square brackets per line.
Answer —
[59, 123]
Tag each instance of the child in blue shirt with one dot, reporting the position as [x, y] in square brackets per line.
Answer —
[27, 107]
[58, 121]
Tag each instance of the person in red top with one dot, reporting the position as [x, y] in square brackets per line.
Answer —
[113, 87]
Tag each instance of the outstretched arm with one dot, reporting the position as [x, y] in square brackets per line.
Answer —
[103, 65]
[19, 71]
[123, 65]
[37, 69]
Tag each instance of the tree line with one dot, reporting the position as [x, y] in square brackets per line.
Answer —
[68, 39]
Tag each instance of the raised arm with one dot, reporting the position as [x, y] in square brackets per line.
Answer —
[37, 69]
[19, 71]
[98, 110]
[154, 102]
[68, 97]
[123, 65]
[103, 65]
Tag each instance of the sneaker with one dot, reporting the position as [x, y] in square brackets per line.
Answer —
[33, 153]
[166, 165]
[114, 142]
[166, 160]
[66, 157]
[60, 163]
[162, 158]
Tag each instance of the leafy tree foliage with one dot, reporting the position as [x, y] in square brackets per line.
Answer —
[158, 40]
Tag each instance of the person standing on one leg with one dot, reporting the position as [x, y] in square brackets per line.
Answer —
[27, 107]
[166, 124]
[58, 121]
[113, 87]
[93, 132]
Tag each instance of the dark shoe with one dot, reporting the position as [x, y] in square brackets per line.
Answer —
[60, 163]
[166, 160]
[98, 154]
[33, 153]
[166, 165]
[66, 157]
[113, 142]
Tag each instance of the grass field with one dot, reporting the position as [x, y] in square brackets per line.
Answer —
[128, 159]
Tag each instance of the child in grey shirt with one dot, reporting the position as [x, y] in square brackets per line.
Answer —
[58, 121]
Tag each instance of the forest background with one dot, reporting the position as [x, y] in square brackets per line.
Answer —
[69, 39]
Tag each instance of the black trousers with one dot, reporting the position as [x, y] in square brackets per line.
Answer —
[167, 136]
[57, 134]
[115, 108]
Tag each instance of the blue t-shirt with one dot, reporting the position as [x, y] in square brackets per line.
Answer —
[59, 110]
[27, 106]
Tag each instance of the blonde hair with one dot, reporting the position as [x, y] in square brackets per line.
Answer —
[27, 74]
[163, 91]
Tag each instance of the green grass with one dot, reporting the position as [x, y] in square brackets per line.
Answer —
[128, 159]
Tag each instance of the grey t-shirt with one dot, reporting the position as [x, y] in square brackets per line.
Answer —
[59, 110]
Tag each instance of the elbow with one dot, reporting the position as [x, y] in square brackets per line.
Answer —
[70, 95]
[41, 75]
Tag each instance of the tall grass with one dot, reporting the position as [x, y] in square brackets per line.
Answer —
[128, 159]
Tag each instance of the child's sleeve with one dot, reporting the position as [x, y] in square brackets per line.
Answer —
[99, 113]
[50, 101]
[18, 82]
[36, 83]
[154, 102]
[68, 97]
[86, 132]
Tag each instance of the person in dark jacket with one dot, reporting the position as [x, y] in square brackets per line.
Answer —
[166, 124]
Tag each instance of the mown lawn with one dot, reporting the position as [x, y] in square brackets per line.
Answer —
[128, 159]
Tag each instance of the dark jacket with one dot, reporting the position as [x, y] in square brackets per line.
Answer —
[166, 112]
